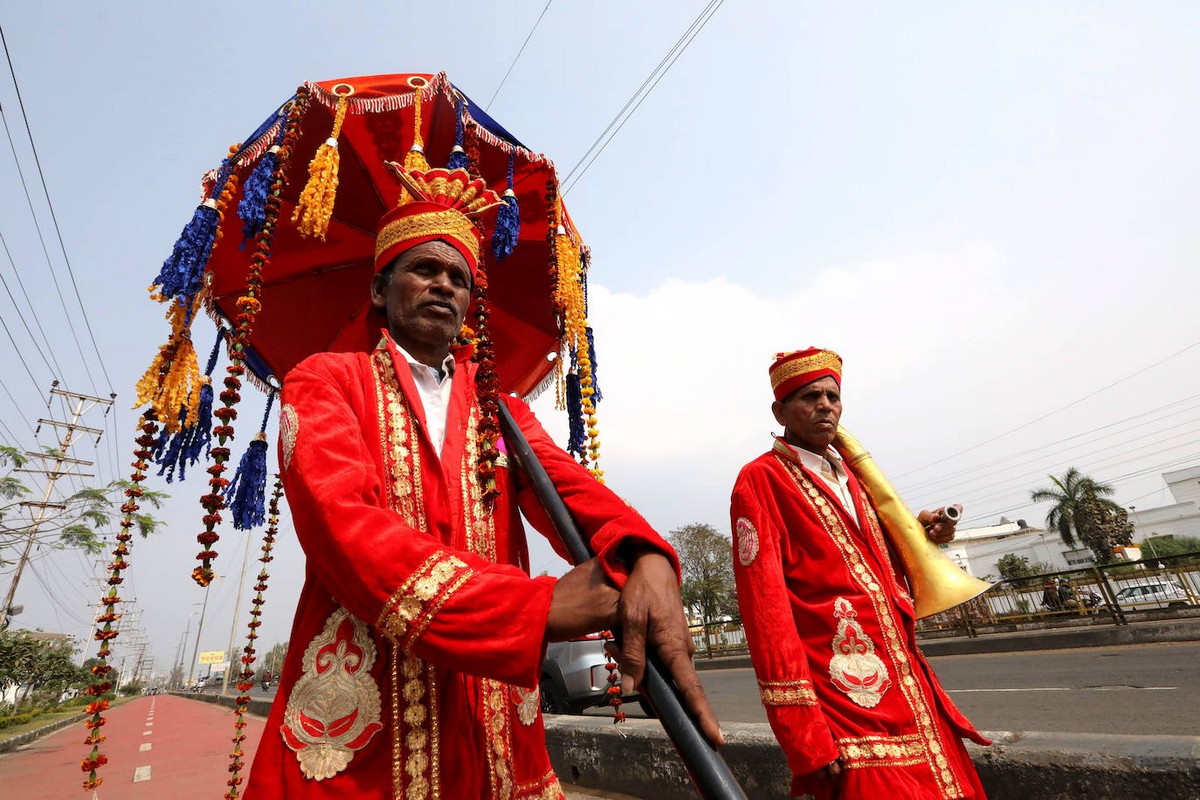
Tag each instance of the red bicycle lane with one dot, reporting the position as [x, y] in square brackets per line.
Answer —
[157, 746]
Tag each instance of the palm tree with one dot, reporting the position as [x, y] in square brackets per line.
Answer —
[1078, 502]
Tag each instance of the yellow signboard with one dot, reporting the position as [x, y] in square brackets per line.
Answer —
[212, 657]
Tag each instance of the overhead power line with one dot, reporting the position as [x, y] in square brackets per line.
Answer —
[56, 371]
[1049, 414]
[58, 231]
[635, 101]
[518, 55]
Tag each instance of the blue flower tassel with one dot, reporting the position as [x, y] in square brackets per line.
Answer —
[189, 443]
[247, 491]
[508, 219]
[458, 157]
[575, 439]
[253, 208]
[182, 273]
[591, 340]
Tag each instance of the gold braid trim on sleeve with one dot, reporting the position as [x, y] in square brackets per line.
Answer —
[787, 693]
[408, 612]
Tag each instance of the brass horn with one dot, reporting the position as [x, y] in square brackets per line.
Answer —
[937, 582]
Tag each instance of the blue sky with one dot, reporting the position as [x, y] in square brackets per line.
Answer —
[989, 210]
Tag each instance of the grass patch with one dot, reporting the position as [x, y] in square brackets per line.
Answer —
[48, 717]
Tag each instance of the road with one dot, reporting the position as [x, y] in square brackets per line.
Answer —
[158, 747]
[1139, 689]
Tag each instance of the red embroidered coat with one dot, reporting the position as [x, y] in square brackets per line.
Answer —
[417, 645]
[830, 625]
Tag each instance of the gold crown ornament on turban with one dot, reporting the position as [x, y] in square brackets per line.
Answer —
[437, 205]
[798, 368]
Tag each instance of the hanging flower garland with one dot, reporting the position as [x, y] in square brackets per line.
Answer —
[102, 685]
[248, 305]
[246, 676]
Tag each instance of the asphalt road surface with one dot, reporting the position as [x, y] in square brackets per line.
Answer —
[1140, 689]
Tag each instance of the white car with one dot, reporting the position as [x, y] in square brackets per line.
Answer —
[1167, 594]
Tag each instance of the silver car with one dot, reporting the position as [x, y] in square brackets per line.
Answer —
[1165, 594]
[574, 676]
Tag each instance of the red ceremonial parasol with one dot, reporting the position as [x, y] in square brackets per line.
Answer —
[315, 292]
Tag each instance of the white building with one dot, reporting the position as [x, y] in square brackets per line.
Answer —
[1181, 518]
[978, 549]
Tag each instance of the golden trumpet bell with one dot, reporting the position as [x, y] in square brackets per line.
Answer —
[937, 583]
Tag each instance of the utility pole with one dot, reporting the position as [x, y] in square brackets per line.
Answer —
[237, 607]
[57, 465]
[199, 630]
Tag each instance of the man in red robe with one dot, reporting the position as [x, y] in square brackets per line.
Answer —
[418, 641]
[829, 617]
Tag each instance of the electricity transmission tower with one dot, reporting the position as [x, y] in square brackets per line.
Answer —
[56, 464]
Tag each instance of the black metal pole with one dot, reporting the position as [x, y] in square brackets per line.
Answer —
[708, 770]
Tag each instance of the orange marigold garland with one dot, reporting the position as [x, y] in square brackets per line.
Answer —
[105, 632]
[248, 306]
[246, 676]
[487, 384]
[613, 692]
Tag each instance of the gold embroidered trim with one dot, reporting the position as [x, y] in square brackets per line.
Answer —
[787, 693]
[397, 732]
[480, 525]
[933, 750]
[417, 741]
[435, 731]
[399, 443]
[528, 704]
[334, 710]
[289, 428]
[881, 751]
[449, 223]
[408, 611]
[747, 541]
[545, 788]
[499, 737]
[854, 668]
[818, 361]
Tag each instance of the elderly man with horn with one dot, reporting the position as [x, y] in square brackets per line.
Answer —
[828, 610]
[419, 636]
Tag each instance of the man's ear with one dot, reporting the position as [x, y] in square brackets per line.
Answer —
[379, 284]
[777, 410]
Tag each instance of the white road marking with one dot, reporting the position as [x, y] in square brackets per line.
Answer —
[145, 746]
[141, 774]
[149, 723]
[147, 733]
[1066, 689]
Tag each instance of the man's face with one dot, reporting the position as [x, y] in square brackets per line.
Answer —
[810, 415]
[425, 293]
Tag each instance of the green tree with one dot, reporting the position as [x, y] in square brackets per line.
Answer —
[1013, 567]
[1163, 546]
[80, 520]
[706, 560]
[34, 664]
[1082, 512]
[273, 660]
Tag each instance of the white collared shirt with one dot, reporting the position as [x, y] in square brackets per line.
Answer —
[433, 392]
[831, 470]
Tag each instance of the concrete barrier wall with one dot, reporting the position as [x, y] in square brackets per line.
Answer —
[637, 759]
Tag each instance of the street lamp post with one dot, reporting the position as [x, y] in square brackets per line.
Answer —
[181, 651]
[199, 629]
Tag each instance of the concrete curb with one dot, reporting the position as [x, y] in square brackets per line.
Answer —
[637, 759]
[14, 742]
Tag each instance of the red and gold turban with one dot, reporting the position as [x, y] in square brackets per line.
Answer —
[800, 367]
[439, 205]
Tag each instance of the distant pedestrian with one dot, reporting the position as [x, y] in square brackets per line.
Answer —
[1051, 600]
